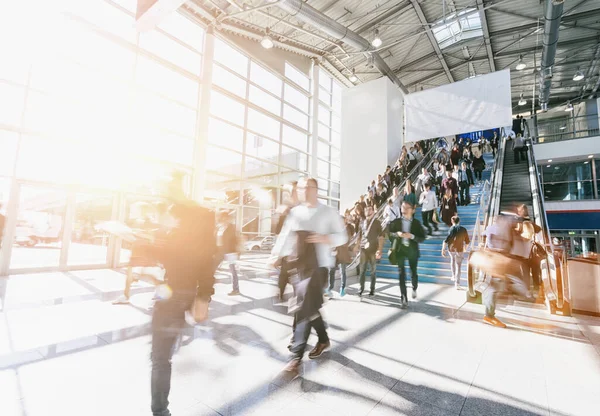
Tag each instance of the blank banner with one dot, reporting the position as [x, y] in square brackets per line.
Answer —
[479, 103]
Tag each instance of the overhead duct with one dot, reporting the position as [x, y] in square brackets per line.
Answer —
[320, 21]
[552, 17]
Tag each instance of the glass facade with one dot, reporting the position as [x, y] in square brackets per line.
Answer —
[94, 114]
[570, 181]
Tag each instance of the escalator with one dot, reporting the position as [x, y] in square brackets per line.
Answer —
[519, 183]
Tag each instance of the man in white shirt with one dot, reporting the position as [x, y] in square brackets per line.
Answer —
[326, 231]
[391, 212]
[429, 203]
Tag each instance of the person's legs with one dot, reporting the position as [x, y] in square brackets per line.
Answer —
[402, 270]
[235, 282]
[413, 262]
[426, 216]
[457, 259]
[535, 275]
[461, 194]
[344, 277]
[467, 199]
[488, 298]
[332, 278]
[168, 318]
[516, 156]
[373, 263]
[453, 265]
[282, 280]
[363, 270]
[319, 325]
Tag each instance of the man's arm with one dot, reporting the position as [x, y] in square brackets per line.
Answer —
[281, 247]
[338, 235]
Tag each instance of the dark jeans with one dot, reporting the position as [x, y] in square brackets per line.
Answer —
[332, 276]
[427, 217]
[308, 317]
[367, 258]
[520, 153]
[464, 195]
[478, 174]
[413, 262]
[168, 318]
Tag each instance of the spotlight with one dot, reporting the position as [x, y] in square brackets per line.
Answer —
[521, 65]
[590, 156]
[353, 77]
[522, 101]
[377, 42]
[549, 160]
[569, 107]
[267, 42]
[563, 127]
[578, 75]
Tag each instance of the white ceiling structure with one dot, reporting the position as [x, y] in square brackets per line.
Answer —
[427, 43]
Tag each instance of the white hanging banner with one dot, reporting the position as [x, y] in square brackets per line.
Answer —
[479, 103]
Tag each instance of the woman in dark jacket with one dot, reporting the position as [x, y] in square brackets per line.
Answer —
[448, 208]
[478, 166]
[455, 155]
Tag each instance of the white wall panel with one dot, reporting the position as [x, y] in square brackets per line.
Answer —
[479, 103]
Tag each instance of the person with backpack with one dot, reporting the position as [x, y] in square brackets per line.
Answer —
[455, 245]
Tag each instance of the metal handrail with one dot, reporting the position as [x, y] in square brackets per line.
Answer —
[567, 128]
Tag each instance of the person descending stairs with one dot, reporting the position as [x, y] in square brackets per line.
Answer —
[432, 266]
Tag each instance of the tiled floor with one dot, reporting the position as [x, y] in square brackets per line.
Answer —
[66, 350]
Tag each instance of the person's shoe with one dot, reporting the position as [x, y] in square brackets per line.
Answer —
[456, 286]
[404, 304]
[414, 293]
[233, 293]
[318, 350]
[290, 344]
[360, 293]
[293, 368]
[342, 292]
[121, 300]
[492, 320]
[328, 293]
[371, 293]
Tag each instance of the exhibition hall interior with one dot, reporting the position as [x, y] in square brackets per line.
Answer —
[189, 187]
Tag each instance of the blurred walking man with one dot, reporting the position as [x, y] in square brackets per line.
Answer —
[311, 232]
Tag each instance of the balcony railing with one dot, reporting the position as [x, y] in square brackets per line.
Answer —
[567, 128]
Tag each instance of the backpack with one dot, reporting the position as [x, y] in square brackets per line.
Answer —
[538, 252]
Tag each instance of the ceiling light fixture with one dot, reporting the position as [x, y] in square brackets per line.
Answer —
[547, 166]
[267, 42]
[522, 101]
[590, 156]
[549, 160]
[377, 42]
[569, 107]
[521, 65]
[353, 77]
[563, 127]
[578, 75]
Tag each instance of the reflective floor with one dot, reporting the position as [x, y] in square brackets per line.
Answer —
[66, 350]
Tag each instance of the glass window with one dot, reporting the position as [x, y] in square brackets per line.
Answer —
[260, 147]
[336, 122]
[335, 174]
[264, 100]
[12, 101]
[265, 79]
[223, 161]
[334, 204]
[174, 52]
[335, 189]
[323, 150]
[226, 108]
[335, 156]
[295, 116]
[322, 169]
[228, 81]
[324, 115]
[336, 97]
[324, 80]
[296, 98]
[324, 132]
[262, 124]
[184, 29]
[574, 171]
[165, 81]
[296, 76]
[294, 159]
[324, 97]
[154, 110]
[160, 145]
[89, 246]
[231, 58]
[336, 139]
[8, 151]
[224, 134]
[107, 17]
[568, 191]
[295, 138]
[259, 171]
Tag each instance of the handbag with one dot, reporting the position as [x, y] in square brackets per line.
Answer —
[393, 252]
[435, 217]
[200, 310]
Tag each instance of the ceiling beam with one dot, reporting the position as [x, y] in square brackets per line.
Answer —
[486, 35]
[432, 39]
[534, 19]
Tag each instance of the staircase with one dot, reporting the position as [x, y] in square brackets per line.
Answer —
[432, 266]
[516, 188]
